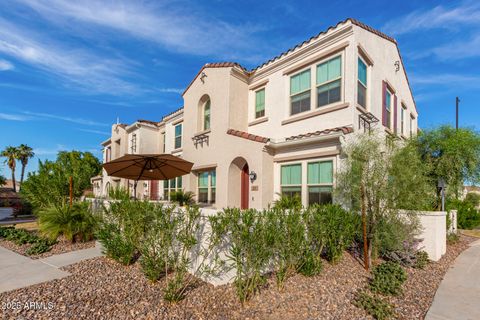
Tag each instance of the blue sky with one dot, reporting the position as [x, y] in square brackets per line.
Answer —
[68, 69]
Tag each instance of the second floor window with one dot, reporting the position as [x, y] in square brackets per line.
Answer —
[388, 108]
[402, 119]
[206, 115]
[108, 154]
[178, 136]
[300, 92]
[259, 103]
[362, 84]
[329, 81]
[163, 142]
[133, 143]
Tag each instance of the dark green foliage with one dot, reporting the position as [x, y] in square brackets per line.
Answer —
[388, 278]
[375, 306]
[115, 245]
[311, 264]
[22, 236]
[468, 217]
[49, 185]
[118, 193]
[182, 198]
[75, 224]
[473, 198]
[452, 238]
[287, 202]
[451, 154]
[421, 260]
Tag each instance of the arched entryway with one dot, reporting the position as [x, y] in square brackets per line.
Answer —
[238, 184]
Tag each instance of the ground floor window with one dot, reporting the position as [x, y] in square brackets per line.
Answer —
[291, 180]
[317, 188]
[207, 182]
[320, 182]
[171, 185]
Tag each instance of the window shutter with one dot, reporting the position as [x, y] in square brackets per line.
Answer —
[395, 113]
[384, 103]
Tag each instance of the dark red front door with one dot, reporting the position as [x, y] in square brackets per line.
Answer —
[244, 187]
[154, 190]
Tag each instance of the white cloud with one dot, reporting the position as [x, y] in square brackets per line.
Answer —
[82, 69]
[67, 119]
[171, 90]
[95, 131]
[175, 27]
[5, 65]
[13, 117]
[446, 79]
[466, 13]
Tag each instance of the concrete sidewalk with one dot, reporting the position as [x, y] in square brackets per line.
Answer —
[458, 296]
[17, 271]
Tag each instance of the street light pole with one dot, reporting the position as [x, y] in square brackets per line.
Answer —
[457, 100]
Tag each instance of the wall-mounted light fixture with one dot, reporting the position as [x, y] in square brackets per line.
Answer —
[203, 75]
[397, 66]
[253, 176]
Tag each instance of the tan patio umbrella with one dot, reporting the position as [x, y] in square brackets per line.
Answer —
[147, 167]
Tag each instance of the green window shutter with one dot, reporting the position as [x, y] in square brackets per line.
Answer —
[300, 82]
[214, 178]
[203, 179]
[320, 172]
[179, 182]
[260, 100]
[327, 71]
[291, 174]
[362, 72]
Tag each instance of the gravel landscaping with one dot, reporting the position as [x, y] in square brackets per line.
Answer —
[62, 246]
[103, 289]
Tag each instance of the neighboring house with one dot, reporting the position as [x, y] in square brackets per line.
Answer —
[9, 184]
[279, 128]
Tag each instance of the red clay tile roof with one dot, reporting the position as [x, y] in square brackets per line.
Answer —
[173, 112]
[147, 121]
[344, 130]
[246, 135]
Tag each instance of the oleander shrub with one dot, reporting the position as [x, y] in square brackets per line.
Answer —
[374, 306]
[286, 202]
[388, 278]
[118, 193]
[468, 216]
[122, 228]
[76, 223]
[421, 260]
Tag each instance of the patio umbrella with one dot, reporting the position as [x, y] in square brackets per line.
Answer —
[147, 167]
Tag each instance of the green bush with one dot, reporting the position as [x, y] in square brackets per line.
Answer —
[182, 198]
[375, 306]
[118, 193]
[287, 202]
[311, 264]
[22, 236]
[330, 230]
[468, 217]
[421, 260]
[473, 198]
[122, 229]
[388, 278]
[41, 246]
[452, 238]
[76, 223]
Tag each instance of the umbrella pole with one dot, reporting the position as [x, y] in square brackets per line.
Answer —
[136, 181]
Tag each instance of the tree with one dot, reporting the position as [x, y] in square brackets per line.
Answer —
[11, 153]
[384, 178]
[3, 180]
[473, 198]
[452, 155]
[24, 154]
[49, 186]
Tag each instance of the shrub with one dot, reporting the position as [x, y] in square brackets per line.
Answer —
[468, 217]
[41, 246]
[182, 198]
[452, 238]
[375, 306]
[421, 260]
[22, 236]
[122, 229]
[288, 202]
[388, 278]
[330, 229]
[473, 198]
[76, 223]
[311, 264]
[118, 193]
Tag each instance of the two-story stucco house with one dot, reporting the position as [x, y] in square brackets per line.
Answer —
[278, 128]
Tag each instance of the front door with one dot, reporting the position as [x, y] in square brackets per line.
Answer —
[154, 190]
[244, 187]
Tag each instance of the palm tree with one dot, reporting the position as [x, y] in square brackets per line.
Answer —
[24, 154]
[11, 153]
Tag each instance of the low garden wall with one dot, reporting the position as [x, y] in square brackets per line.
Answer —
[434, 233]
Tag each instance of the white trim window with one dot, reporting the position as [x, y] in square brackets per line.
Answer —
[206, 115]
[300, 92]
[403, 109]
[362, 83]
[260, 103]
[178, 136]
[320, 182]
[163, 142]
[388, 107]
[207, 182]
[291, 180]
[133, 143]
[329, 81]
[170, 186]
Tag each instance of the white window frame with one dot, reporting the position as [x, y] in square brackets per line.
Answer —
[319, 184]
[403, 110]
[341, 78]
[175, 136]
[133, 143]
[309, 68]
[362, 84]
[389, 107]
[209, 187]
[255, 103]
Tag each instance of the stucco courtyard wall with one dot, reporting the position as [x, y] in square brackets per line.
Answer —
[434, 233]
